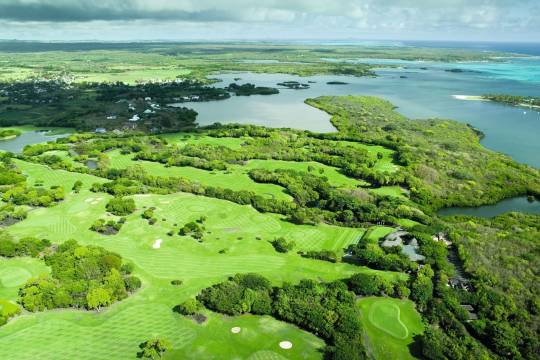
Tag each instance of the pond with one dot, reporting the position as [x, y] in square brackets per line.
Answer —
[422, 94]
[16, 145]
[91, 164]
[521, 204]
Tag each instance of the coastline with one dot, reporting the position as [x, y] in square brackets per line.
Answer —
[481, 98]
[10, 137]
[470, 97]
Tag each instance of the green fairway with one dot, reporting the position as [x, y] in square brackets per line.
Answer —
[375, 233]
[236, 178]
[116, 333]
[50, 177]
[184, 139]
[236, 241]
[391, 325]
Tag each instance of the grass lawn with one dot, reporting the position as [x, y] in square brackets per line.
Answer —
[236, 178]
[375, 233]
[395, 191]
[240, 231]
[390, 325]
[407, 223]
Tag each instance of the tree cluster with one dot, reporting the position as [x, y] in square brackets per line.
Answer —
[327, 309]
[82, 277]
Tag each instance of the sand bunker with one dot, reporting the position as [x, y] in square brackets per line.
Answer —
[235, 330]
[285, 345]
[157, 244]
[89, 200]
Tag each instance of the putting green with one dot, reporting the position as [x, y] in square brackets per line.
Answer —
[266, 355]
[387, 317]
[15, 272]
[14, 276]
[391, 325]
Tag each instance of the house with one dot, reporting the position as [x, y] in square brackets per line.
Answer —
[111, 117]
[135, 118]
[148, 111]
[100, 130]
[409, 244]
[459, 284]
[148, 98]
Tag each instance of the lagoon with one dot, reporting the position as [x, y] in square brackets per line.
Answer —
[423, 94]
[521, 204]
[16, 145]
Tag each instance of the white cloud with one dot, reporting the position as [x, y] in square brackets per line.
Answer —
[270, 18]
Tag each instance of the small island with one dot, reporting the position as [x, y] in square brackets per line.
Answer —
[295, 85]
[250, 89]
[8, 134]
[514, 100]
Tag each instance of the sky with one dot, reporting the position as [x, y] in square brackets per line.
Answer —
[129, 20]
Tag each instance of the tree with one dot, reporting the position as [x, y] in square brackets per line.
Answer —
[154, 349]
[77, 186]
[422, 291]
[97, 298]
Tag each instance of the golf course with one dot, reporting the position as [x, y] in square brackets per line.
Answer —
[131, 226]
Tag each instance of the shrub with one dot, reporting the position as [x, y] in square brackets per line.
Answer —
[132, 283]
[282, 245]
[188, 307]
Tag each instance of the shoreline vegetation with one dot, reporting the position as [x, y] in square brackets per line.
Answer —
[513, 100]
[9, 134]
